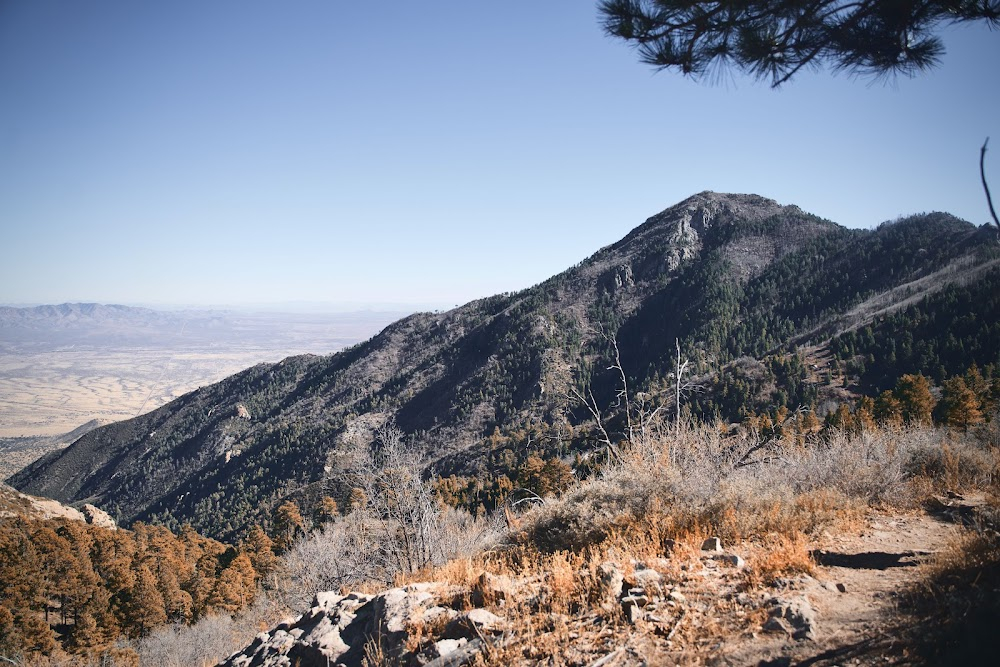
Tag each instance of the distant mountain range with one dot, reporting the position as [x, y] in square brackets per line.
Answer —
[112, 325]
[772, 305]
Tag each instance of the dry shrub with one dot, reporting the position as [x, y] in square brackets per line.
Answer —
[697, 482]
[778, 555]
[208, 641]
[959, 461]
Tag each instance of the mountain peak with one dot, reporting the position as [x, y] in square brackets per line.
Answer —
[728, 276]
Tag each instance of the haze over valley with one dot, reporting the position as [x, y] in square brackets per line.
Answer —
[65, 366]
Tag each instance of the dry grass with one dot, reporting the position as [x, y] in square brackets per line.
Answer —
[768, 502]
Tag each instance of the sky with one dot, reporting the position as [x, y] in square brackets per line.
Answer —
[423, 153]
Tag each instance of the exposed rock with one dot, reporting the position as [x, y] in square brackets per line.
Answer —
[98, 517]
[631, 607]
[798, 613]
[489, 589]
[733, 560]
[648, 578]
[337, 628]
[242, 412]
[461, 655]
[712, 544]
[777, 625]
[473, 623]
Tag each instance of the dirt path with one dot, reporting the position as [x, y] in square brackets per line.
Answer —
[854, 595]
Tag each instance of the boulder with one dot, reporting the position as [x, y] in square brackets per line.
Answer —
[337, 628]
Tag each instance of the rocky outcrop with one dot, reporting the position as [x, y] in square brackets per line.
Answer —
[98, 517]
[15, 503]
[347, 629]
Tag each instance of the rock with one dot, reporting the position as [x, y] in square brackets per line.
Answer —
[842, 588]
[472, 624]
[712, 544]
[798, 613]
[98, 517]
[648, 579]
[434, 615]
[610, 580]
[462, 655]
[490, 589]
[677, 596]
[337, 628]
[242, 412]
[443, 647]
[631, 607]
[733, 560]
[638, 600]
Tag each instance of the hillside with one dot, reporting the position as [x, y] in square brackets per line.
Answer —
[741, 281]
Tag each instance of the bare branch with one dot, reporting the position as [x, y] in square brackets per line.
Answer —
[986, 187]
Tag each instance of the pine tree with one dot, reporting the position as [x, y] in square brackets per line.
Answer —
[888, 409]
[961, 405]
[326, 511]
[260, 549]
[288, 525]
[144, 608]
[864, 414]
[914, 395]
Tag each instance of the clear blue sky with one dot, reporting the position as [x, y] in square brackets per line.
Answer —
[425, 152]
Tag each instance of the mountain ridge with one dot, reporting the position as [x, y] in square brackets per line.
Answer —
[721, 273]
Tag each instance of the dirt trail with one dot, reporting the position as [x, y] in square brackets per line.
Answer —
[854, 594]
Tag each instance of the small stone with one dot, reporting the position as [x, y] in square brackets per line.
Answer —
[712, 544]
[445, 646]
[648, 579]
[630, 607]
[677, 596]
[435, 614]
[638, 600]
[484, 619]
[733, 560]
[842, 588]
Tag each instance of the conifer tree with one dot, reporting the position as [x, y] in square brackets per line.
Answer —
[776, 39]
[888, 409]
[260, 549]
[288, 525]
[144, 608]
[960, 404]
[326, 511]
[915, 398]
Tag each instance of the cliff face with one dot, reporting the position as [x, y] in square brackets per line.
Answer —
[730, 276]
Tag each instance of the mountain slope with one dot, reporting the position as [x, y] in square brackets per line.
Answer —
[730, 276]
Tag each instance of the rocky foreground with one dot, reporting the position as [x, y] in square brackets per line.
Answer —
[691, 604]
